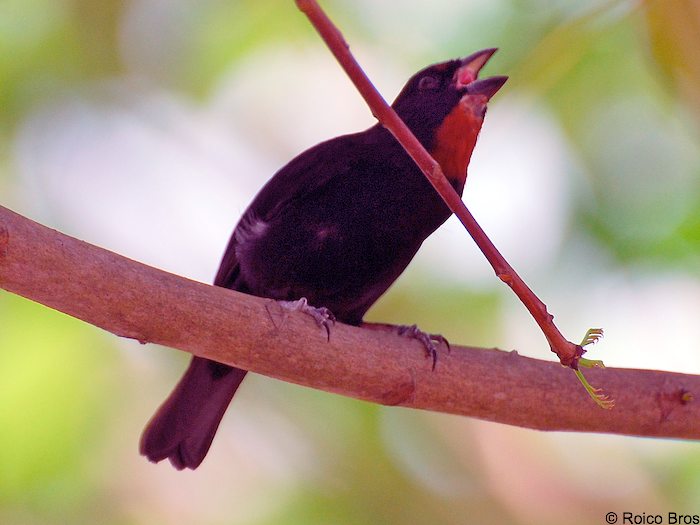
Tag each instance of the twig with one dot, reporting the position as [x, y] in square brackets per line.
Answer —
[568, 353]
[133, 300]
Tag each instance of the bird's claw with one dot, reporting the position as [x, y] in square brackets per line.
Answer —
[322, 315]
[428, 340]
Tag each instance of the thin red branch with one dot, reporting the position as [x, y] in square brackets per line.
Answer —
[567, 352]
[133, 300]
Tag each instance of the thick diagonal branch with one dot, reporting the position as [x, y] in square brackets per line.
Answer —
[133, 300]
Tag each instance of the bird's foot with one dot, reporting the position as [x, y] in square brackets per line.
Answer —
[323, 316]
[429, 341]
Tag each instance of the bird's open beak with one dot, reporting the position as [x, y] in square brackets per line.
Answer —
[467, 74]
[487, 87]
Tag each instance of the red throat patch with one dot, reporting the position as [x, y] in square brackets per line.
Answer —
[454, 142]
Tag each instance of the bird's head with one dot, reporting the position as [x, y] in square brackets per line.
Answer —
[433, 93]
[444, 106]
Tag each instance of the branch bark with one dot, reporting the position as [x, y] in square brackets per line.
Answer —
[133, 300]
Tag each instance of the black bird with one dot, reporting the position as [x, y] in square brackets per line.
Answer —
[337, 225]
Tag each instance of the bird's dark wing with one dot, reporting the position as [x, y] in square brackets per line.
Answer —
[303, 175]
[228, 269]
[307, 172]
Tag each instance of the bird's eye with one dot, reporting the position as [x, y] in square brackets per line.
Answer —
[428, 83]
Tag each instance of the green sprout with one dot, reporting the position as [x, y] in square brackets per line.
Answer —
[593, 335]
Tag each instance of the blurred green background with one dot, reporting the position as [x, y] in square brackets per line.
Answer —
[146, 127]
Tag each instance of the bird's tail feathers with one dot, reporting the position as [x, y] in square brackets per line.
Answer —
[184, 426]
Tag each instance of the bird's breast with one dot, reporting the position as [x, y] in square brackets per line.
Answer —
[454, 141]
